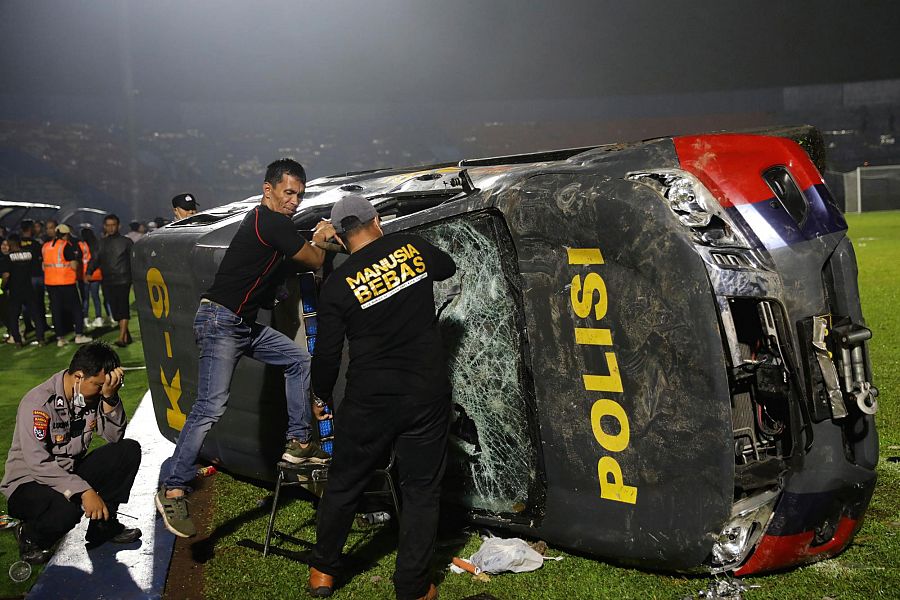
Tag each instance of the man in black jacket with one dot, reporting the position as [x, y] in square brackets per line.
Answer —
[398, 391]
[114, 259]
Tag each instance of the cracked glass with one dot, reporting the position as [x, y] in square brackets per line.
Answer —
[492, 460]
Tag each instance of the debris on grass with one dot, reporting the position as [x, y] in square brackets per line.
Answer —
[461, 565]
[833, 567]
[498, 555]
[722, 588]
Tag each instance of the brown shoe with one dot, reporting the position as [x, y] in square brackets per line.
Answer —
[321, 585]
[432, 593]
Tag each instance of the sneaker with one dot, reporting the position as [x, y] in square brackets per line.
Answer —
[174, 512]
[83, 339]
[98, 322]
[62, 342]
[295, 453]
[87, 323]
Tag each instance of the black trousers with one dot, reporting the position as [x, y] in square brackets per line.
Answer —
[47, 514]
[24, 302]
[364, 430]
[65, 306]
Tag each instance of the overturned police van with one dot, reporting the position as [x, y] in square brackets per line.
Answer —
[657, 349]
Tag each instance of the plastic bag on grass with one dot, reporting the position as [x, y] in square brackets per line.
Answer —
[498, 555]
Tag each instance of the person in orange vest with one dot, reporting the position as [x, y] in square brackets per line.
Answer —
[62, 262]
[90, 284]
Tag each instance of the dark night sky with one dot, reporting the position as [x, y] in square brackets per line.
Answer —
[413, 50]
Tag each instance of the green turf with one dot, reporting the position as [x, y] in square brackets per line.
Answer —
[867, 570]
[22, 369]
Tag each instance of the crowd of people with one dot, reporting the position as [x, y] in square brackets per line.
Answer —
[47, 261]
[380, 299]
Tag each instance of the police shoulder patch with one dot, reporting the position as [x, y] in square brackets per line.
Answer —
[41, 423]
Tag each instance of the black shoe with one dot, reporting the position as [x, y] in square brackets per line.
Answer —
[100, 532]
[127, 536]
[28, 550]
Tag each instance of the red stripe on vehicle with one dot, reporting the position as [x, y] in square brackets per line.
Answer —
[782, 551]
[731, 165]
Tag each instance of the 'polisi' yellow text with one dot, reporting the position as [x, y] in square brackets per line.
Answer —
[590, 301]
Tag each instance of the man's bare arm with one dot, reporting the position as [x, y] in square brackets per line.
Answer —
[311, 256]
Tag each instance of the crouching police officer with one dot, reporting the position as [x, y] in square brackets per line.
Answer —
[51, 480]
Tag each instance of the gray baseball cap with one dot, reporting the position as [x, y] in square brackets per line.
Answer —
[351, 205]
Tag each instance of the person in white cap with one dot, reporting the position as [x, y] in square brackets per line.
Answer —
[62, 263]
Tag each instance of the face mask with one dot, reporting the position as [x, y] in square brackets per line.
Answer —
[78, 400]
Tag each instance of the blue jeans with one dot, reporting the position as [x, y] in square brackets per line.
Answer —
[90, 290]
[223, 337]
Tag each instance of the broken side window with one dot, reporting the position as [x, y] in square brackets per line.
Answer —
[492, 450]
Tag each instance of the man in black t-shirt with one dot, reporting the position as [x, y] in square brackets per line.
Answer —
[226, 329]
[16, 273]
[397, 393]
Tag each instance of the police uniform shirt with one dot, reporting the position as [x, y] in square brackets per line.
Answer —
[52, 434]
[382, 299]
[248, 275]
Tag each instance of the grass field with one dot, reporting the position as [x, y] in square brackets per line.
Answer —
[868, 569]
